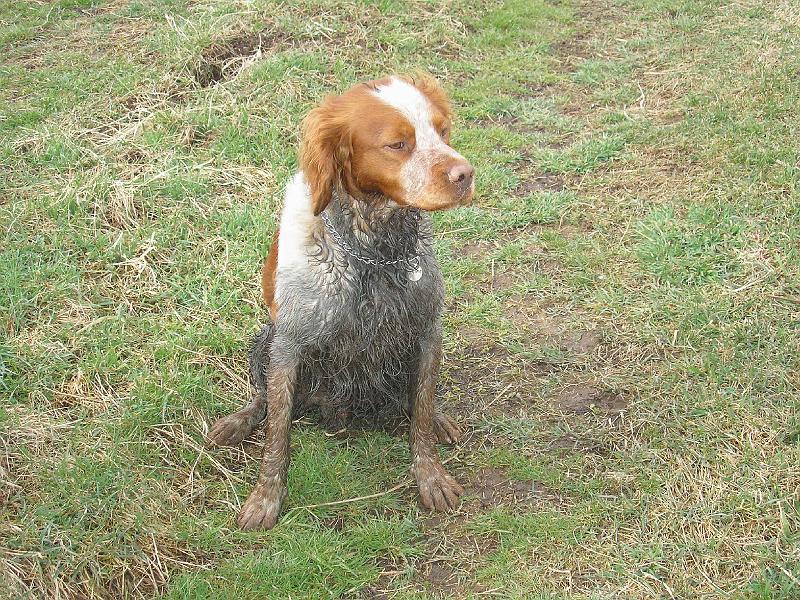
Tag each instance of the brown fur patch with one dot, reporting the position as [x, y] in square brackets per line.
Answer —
[268, 276]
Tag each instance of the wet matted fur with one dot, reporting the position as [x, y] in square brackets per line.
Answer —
[360, 342]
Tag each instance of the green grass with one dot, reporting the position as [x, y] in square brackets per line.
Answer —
[638, 180]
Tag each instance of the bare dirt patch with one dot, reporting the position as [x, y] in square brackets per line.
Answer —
[441, 579]
[374, 592]
[545, 182]
[501, 273]
[485, 378]
[478, 248]
[575, 443]
[452, 548]
[493, 488]
[572, 52]
[141, 105]
[583, 399]
[217, 60]
[544, 330]
[501, 280]
[590, 17]
[581, 342]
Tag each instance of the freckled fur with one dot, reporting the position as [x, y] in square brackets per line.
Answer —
[430, 149]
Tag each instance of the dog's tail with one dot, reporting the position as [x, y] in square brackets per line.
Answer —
[258, 357]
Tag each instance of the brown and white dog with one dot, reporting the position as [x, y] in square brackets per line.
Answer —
[352, 284]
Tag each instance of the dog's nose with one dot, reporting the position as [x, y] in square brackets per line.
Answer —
[461, 174]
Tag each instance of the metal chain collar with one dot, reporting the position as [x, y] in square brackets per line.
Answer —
[413, 262]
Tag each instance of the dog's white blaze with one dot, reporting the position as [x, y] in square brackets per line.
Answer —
[430, 147]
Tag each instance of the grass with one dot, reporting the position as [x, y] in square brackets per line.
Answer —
[621, 331]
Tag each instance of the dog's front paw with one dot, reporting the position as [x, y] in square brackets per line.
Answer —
[445, 429]
[262, 507]
[231, 429]
[438, 490]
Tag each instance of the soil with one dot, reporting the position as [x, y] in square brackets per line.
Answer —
[575, 443]
[441, 579]
[494, 488]
[215, 60]
[583, 399]
[581, 342]
[545, 182]
[447, 539]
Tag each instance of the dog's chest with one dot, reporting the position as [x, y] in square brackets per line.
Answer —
[364, 358]
[380, 309]
[367, 343]
[380, 286]
[358, 323]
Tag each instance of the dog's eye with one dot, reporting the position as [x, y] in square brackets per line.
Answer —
[397, 145]
[445, 131]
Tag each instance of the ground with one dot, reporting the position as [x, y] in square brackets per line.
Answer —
[621, 327]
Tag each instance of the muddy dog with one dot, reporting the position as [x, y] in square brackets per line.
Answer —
[354, 290]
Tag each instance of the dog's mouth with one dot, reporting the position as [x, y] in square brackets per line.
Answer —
[438, 202]
[435, 206]
[468, 195]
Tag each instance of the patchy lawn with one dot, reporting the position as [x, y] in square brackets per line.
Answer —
[621, 328]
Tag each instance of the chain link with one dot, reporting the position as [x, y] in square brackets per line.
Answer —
[412, 262]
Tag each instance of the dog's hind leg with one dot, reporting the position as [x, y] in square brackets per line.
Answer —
[232, 429]
[263, 505]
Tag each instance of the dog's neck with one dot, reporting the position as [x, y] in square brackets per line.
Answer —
[376, 226]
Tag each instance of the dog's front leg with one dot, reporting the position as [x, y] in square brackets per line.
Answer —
[263, 506]
[437, 489]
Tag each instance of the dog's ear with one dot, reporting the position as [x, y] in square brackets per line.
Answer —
[325, 152]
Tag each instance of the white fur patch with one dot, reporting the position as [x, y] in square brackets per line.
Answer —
[297, 221]
[297, 225]
[430, 148]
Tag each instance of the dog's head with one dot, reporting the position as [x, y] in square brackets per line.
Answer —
[390, 136]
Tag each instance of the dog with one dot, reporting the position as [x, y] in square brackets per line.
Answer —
[353, 288]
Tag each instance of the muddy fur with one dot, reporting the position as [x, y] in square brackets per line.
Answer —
[258, 357]
[358, 335]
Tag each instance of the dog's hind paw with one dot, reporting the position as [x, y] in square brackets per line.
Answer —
[445, 429]
[232, 429]
[262, 507]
